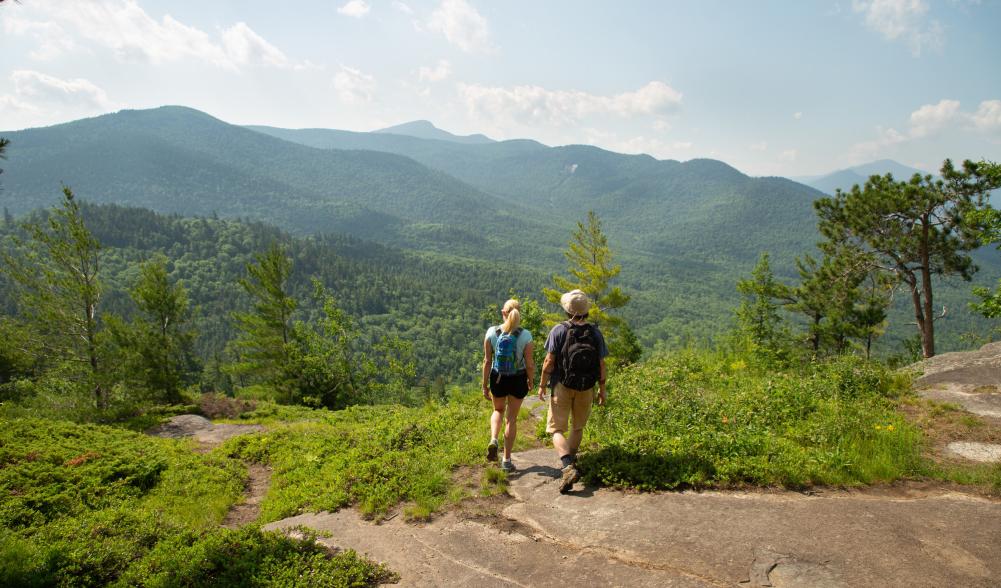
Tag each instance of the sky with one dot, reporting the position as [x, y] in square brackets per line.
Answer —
[791, 88]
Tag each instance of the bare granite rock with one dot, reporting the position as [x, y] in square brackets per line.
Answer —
[201, 429]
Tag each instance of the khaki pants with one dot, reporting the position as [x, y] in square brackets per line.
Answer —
[565, 402]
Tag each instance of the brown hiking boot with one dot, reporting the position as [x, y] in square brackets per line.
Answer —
[570, 476]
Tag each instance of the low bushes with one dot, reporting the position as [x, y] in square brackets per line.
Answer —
[375, 456]
[89, 505]
[700, 419]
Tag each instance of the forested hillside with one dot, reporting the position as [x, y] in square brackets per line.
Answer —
[697, 208]
[436, 304]
[179, 160]
[685, 232]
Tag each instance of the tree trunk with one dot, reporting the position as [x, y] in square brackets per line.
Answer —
[816, 334]
[928, 328]
[919, 315]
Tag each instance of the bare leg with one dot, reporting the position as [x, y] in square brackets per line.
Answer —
[511, 431]
[574, 442]
[497, 417]
[561, 444]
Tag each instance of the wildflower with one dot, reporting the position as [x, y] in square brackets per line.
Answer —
[879, 427]
[738, 365]
[889, 427]
[725, 420]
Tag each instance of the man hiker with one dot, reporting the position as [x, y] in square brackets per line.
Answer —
[575, 363]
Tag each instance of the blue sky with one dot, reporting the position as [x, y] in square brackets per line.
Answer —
[773, 88]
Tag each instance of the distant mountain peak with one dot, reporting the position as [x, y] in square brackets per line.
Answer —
[425, 129]
[844, 179]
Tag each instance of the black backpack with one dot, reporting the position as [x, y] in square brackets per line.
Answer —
[579, 360]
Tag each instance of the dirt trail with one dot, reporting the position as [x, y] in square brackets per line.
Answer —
[247, 511]
[210, 435]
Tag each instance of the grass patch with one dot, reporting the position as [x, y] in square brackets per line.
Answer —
[90, 505]
[373, 456]
[943, 423]
[703, 419]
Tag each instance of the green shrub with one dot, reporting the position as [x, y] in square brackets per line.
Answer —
[374, 456]
[250, 557]
[91, 505]
[699, 419]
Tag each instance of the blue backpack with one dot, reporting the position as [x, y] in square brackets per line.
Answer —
[506, 352]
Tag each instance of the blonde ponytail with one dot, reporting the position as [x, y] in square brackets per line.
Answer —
[513, 320]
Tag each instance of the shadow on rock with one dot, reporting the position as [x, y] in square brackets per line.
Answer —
[540, 470]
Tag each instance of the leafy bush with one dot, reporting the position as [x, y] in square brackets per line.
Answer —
[89, 505]
[375, 456]
[215, 406]
[251, 557]
[698, 419]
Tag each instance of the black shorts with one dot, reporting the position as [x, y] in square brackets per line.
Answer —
[514, 385]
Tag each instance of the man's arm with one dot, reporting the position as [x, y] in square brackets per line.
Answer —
[547, 369]
[530, 363]
[601, 382]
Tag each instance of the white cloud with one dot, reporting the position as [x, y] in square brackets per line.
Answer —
[662, 125]
[904, 20]
[867, 150]
[50, 38]
[245, 47]
[760, 146]
[461, 25]
[789, 155]
[40, 99]
[41, 88]
[537, 105]
[927, 122]
[638, 144]
[439, 72]
[931, 118]
[987, 118]
[353, 86]
[402, 7]
[355, 8]
[797, 115]
[123, 27]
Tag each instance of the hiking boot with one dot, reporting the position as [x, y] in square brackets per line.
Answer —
[492, 451]
[507, 466]
[570, 476]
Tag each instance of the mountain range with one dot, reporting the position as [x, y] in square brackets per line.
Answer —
[684, 231]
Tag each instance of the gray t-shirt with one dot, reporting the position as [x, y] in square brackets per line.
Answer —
[554, 344]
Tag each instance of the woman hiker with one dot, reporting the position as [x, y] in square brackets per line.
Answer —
[508, 375]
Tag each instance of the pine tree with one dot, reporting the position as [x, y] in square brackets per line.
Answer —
[591, 270]
[266, 331]
[3, 149]
[913, 230]
[60, 290]
[989, 220]
[160, 341]
[758, 314]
